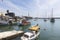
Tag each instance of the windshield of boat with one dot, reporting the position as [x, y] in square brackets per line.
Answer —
[31, 36]
[26, 36]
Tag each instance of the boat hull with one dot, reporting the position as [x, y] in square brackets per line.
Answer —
[33, 38]
[52, 20]
[24, 24]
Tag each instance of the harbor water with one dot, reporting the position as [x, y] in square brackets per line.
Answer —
[48, 30]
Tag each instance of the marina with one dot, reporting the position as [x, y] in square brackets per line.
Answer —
[29, 20]
[48, 30]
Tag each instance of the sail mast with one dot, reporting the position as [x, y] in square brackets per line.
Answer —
[28, 14]
[52, 19]
[52, 13]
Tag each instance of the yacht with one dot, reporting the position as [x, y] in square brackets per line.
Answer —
[33, 34]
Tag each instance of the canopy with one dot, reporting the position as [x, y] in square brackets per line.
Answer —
[34, 28]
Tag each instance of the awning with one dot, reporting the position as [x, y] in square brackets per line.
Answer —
[34, 28]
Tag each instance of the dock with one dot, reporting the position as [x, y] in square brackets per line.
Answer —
[8, 35]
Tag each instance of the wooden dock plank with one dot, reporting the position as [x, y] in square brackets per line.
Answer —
[9, 34]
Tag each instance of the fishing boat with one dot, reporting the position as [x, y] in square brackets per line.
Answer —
[33, 34]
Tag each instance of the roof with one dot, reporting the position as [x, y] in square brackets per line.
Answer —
[34, 28]
[28, 33]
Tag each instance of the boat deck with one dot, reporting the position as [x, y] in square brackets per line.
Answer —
[10, 34]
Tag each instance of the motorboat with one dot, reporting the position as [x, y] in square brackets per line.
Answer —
[24, 23]
[33, 34]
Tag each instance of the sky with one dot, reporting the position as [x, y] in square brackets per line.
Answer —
[35, 8]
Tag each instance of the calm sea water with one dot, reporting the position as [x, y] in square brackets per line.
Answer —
[48, 31]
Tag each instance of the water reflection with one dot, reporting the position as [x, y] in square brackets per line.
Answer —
[48, 31]
[52, 27]
[9, 28]
[24, 28]
[5, 28]
[16, 28]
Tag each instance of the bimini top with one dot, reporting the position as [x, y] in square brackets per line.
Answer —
[34, 28]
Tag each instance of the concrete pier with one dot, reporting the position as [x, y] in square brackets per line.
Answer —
[8, 35]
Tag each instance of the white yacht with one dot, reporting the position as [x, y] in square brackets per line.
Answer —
[35, 31]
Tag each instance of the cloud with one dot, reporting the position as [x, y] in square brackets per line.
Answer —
[12, 7]
[38, 8]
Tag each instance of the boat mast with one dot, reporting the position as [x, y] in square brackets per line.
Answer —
[28, 14]
[52, 13]
[45, 15]
[52, 19]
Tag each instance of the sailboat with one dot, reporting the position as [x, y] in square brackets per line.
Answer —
[45, 20]
[52, 19]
